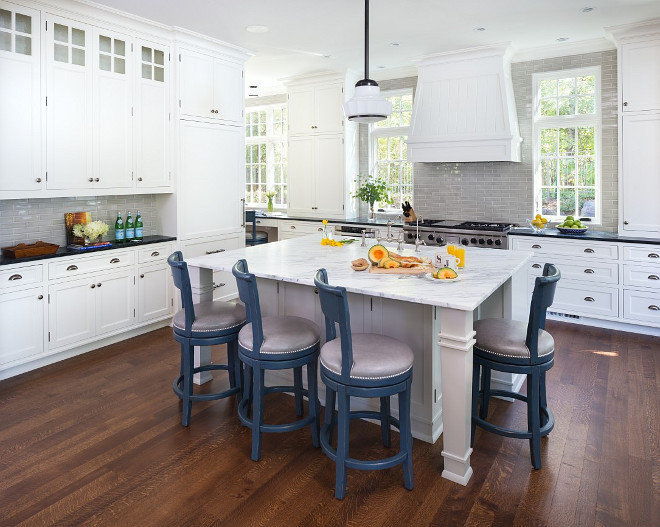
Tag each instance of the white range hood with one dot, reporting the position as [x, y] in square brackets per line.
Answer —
[464, 109]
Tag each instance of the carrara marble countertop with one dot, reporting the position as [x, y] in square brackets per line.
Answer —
[297, 260]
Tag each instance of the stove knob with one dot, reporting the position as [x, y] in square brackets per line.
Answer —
[498, 242]
[431, 237]
[473, 241]
[410, 236]
[489, 241]
[440, 240]
[481, 241]
[465, 241]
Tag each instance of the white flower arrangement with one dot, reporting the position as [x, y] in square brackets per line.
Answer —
[91, 230]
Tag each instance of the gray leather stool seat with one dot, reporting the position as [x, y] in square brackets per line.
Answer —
[375, 357]
[282, 335]
[211, 318]
[504, 339]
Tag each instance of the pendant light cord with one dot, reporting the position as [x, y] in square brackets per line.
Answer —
[366, 39]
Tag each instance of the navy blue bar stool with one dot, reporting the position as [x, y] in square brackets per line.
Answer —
[252, 235]
[203, 324]
[275, 343]
[361, 365]
[515, 347]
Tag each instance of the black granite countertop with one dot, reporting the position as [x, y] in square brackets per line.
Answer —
[360, 220]
[63, 251]
[602, 236]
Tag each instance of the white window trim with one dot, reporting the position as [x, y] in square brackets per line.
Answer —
[562, 121]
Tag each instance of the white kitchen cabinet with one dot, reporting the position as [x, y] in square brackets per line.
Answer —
[316, 109]
[640, 70]
[153, 134]
[212, 179]
[20, 100]
[154, 283]
[210, 87]
[293, 229]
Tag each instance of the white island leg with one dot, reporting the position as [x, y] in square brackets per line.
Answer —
[456, 341]
[201, 283]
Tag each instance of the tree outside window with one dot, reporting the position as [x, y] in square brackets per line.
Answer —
[567, 153]
[266, 155]
[390, 150]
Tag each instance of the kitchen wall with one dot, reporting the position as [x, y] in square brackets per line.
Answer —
[30, 220]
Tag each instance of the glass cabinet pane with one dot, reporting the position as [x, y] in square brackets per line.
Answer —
[61, 53]
[159, 74]
[23, 23]
[105, 44]
[61, 33]
[146, 71]
[105, 63]
[120, 48]
[5, 41]
[120, 65]
[5, 19]
[146, 54]
[159, 57]
[78, 57]
[78, 37]
[23, 45]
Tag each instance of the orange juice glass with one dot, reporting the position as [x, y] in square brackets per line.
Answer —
[451, 249]
[459, 253]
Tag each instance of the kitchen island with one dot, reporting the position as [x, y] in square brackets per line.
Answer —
[434, 317]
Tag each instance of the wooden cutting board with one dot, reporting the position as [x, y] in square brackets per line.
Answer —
[402, 270]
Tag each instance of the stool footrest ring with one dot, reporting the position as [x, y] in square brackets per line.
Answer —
[178, 383]
[283, 427]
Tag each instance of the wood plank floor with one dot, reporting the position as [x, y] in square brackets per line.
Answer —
[97, 440]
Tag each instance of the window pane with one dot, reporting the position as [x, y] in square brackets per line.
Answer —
[159, 74]
[548, 88]
[585, 140]
[567, 202]
[587, 203]
[395, 147]
[586, 84]
[566, 141]
[23, 23]
[78, 57]
[567, 172]
[159, 57]
[105, 44]
[146, 71]
[146, 54]
[549, 172]
[567, 106]
[5, 19]
[61, 53]
[5, 41]
[566, 86]
[78, 37]
[61, 33]
[549, 201]
[548, 107]
[120, 65]
[120, 48]
[105, 63]
[549, 141]
[586, 105]
[586, 172]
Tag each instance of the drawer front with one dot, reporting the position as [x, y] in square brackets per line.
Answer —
[86, 264]
[641, 306]
[195, 248]
[20, 276]
[642, 253]
[586, 300]
[154, 253]
[638, 276]
[586, 271]
[298, 228]
[581, 248]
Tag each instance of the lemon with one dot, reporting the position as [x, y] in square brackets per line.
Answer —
[544, 220]
[538, 216]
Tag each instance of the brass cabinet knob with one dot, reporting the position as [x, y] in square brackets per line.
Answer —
[38, 180]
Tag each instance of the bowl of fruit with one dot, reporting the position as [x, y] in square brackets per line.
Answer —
[538, 223]
[571, 226]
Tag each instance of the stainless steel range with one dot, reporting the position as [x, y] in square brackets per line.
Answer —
[471, 233]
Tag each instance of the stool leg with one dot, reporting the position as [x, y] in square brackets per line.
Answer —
[485, 388]
[247, 388]
[543, 401]
[329, 413]
[343, 419]
[406, 435]
[313, 399]
[475, 399]
[385, 431]
[232, 358]
[187, 364]
[533, 419]
[257, 411]
[297, 388]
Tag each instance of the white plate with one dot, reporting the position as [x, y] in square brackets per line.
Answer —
[429, 276]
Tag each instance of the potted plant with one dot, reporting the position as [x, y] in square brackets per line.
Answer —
[372, 189]
[270, 195]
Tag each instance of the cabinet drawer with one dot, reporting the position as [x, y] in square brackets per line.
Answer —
[583, 270]
[20, 276]
[300, 228]
[641, 306]
[154, 253]
[571, 248]
[638, 276]
[587, 300]
[201, 247]
[80, 265]
[642, 253]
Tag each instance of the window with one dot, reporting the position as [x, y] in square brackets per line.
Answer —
[567, 127]
[265, 155]
[390, 151]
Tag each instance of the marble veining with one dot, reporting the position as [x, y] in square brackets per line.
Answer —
[297, 260]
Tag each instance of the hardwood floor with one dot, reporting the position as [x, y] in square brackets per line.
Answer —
[97, 440]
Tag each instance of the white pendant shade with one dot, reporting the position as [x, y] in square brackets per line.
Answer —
[367, 105]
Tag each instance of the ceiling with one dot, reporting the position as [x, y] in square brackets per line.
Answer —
[311, 35]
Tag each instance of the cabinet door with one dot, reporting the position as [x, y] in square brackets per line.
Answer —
[113, 102]
[641, 173]
[196, 84]
[154, 292]
[20, 100]
[213, 179]
[329, 175]
[115, 301]
[301, 110]
[21, 324]
[329, 111]
[640, 64]
[69, 104]
[152, 115]
[71, 312]
[301, 174]
[228, 99]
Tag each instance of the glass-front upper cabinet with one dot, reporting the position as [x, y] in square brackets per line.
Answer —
[20, 100]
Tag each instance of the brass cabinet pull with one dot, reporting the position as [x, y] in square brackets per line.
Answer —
[15, 277]
[536, 266]
[40, 297]
[653, 307]
[589, 271]
[155, 253]
[90, 179]
[587, 250]
[654, 277]
[72, 268]
[293, 226]
[320, 229]
[654, 255]
[536, 246]
[139, 179]
[99, 284]
[96, 179]
[93, 286]
[141, 276]
[216, 251]
[625, 104]
[114, 260]
[38, 180]
[589, 299]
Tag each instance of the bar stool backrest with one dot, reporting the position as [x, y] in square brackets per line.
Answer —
[542, 298]
[249, 295]
[182, 281]
[334, 305]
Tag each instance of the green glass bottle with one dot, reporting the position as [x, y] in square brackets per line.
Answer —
[119, 229]
[130, 228]
[139, 234]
